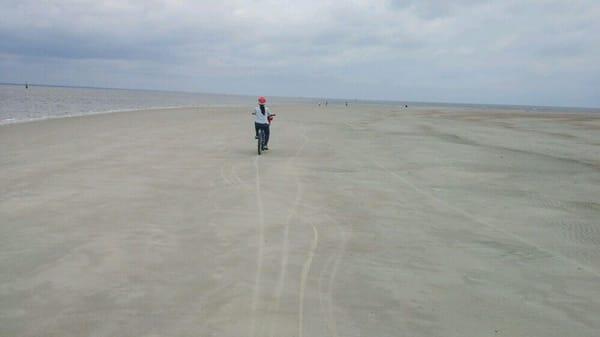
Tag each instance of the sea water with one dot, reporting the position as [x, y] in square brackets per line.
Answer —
[19, 104]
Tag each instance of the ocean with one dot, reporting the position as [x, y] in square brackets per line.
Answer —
[20, 104]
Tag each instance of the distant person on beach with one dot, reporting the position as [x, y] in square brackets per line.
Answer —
[262, 119]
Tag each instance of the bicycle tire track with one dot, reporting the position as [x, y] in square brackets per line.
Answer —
[260, 251]
[285, 255]
[331, 321]
[285, 239]
[225, 179]
[322, 293]
[304, 276]
[237, 178]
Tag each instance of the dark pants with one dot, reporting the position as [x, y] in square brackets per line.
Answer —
[265, 128]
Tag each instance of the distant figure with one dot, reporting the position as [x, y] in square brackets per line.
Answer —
[319, 104]
[346, 104]
[406, 106]
[26, 86]
[325, 103]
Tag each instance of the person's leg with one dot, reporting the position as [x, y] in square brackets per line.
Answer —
[267, 133]
[256, 129]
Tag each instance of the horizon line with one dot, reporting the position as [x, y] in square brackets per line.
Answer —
[305, 97]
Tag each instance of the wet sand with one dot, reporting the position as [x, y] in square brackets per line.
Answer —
[360, 221]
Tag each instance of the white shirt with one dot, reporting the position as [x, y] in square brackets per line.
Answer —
[259, 117]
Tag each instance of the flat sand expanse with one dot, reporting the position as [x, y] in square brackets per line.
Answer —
[360, 221]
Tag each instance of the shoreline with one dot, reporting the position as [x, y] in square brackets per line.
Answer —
[305, 99]
[434, 108]
[13, 121]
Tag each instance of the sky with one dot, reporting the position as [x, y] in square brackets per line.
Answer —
[536, 52]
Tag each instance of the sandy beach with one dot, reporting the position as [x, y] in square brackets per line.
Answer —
[371, 220]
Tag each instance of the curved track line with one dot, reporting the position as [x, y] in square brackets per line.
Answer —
[285, 253]
[305, 271]
[260, 253]
[285, 239]
[237, 177]
[227, 181]
[444, 204]
[241, 182]
[332, 266]
[331, 322]
[322, 292]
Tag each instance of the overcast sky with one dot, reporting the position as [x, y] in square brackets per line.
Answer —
[506, 51]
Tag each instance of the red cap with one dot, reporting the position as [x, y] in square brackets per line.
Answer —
[262, 100]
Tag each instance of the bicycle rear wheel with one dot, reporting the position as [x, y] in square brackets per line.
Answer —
[260, 141]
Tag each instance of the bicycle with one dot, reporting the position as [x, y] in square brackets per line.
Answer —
[260, 139]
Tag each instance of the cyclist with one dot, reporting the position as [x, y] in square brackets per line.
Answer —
[261, 121]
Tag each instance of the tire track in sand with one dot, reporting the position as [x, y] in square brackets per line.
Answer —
[304, 276]
[323, 293]
[331, 265]
[237, 178]
[284, 256]
[285, 240]
[260, 253]
[227, 181]
[332, 262]
[331, 322]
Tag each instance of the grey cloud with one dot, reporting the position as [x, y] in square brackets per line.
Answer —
[433, 9]
[462, 50]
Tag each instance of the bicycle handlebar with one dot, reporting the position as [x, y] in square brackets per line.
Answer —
[254, 113]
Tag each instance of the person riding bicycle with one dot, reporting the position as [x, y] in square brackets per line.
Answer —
[262, 119]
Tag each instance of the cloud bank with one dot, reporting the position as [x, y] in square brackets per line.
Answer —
[507, 51]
